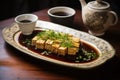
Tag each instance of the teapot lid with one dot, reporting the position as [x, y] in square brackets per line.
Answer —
[98, 5]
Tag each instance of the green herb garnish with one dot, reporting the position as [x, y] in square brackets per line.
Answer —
[85, 56]
[27, 42]
[59, 36]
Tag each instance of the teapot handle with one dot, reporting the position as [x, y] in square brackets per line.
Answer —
[114, 17]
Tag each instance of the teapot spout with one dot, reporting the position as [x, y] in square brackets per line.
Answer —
[83, 3]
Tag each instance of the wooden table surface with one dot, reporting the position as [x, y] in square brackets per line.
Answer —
[15, 65]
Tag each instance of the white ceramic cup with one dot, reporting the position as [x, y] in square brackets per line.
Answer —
[62, 15]
[26, 23]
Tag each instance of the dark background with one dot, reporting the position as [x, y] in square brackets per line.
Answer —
[12, 8]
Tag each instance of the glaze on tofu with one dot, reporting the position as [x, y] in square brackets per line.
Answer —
[34, 40]
[55, 47]
[40, 44]
[48, 44]
[62, 51]
[75, 39]
[72, 50]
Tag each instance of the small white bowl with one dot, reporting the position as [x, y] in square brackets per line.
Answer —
[26, 23]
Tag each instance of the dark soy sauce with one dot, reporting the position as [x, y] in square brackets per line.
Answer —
[60, 14]
[25, 21]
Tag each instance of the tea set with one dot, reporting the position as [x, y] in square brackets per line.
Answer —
[97, 16]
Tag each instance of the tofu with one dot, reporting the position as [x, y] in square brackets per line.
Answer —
[70, 35]
[72, 51]
[55, 47]
[62, 51]
[76, 44]
[48, 44]
[34, 40]
[40, 44]
[57, 41]
[54, 42]
[75, 39]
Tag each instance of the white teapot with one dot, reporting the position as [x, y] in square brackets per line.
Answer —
[97, 16]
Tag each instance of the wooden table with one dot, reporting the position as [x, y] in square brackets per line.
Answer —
[15, 65]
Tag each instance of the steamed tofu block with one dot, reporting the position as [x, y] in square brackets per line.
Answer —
[62, 51]
[57, 41]
[55, 47]
[76, 44]
[75, 39]
[34, 40]
[48, 44]
[72, 51]
[40, 44]
[70, 35]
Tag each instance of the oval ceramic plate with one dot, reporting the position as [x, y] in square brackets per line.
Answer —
[106, 51]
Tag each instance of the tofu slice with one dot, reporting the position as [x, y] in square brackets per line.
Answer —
[76, 44]
[34, 40]
[70, 35]
[48, 44]
[57, 41]
[62, 51]
[40, 44]
[55, 47]
[75, 39]
[72, 51]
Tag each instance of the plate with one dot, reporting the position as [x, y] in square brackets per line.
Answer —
[105, 49]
